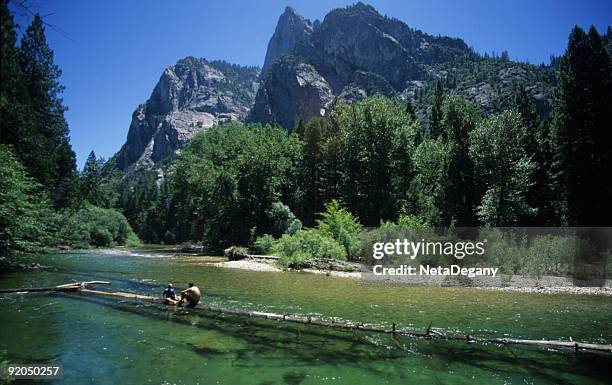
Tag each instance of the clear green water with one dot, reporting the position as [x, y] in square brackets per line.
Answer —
[101, 341]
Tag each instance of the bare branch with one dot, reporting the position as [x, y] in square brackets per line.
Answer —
[24, 9]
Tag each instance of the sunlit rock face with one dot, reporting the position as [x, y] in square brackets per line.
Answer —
[191, 96]
[356, 52]
[290, 30]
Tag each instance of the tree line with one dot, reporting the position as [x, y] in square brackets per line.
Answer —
[457, 167]
[44, 201]
[371, 163]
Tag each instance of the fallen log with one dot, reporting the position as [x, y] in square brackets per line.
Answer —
[67, 287]
[427, 334]
[234, 253]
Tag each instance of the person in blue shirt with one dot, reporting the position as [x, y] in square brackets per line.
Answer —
[170, 295]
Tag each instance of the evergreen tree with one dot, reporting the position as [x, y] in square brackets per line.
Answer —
[536, 143]
[460, 117]
[581, 131]
[45, 148]
[13, 113]
[435, 116]
[410, 110]
[312, 136]
[444, 191]
[377, 141]
[94, 188]
[504, 167]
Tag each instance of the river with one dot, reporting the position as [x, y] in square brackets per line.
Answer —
[105, 341]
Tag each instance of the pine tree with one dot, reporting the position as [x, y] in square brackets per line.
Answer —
[435, 116]
[91, 181]
[581, 131]
[12, 109]
[312, 137]
[410, 110]
[536, 144]
[45, 147]
[460, 117]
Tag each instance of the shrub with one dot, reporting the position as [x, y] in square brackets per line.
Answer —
[339, 224]
[295, 250]
[283, 221]
[264, 244]
[94, 226]
[407, 226]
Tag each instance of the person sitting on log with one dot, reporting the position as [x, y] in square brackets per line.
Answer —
[170, 295]
[190, 295]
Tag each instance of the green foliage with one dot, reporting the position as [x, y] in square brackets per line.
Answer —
[23, 208]
[94, 188]
[389, 231]
[320, 170]
[339, 224]
[581, 131]
[409, 222]
[144, 204]
[377, 140]
[536, 142]
[337, 236]
[32, 111]
[226, 180]
[430, 160]
[541, 255]
[443, 190]
[94, 226]
[504, 168]
[282, 220]
[295, 250]
[264, 244]
[435, 115]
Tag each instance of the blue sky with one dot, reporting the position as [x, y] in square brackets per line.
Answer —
[112, 52]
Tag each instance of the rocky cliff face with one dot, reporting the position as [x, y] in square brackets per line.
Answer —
[356, 52]
[353, 53]
[290, 30]
[191, 96]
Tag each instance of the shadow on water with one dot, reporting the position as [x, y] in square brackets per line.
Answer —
[549, 365]
[263, 336]
[311, 345]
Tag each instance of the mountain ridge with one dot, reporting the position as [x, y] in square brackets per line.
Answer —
[356, 52]
[353, 53]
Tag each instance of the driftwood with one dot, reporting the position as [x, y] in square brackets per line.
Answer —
[81, 288]
[234, 253]
[193, 249]
[429, 333]
[67, 287]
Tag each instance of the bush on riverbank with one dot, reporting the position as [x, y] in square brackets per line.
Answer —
[294, 250]
[339, 224]
[94, 226]
[336, 236]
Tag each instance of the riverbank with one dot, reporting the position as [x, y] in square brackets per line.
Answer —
[519, 284]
